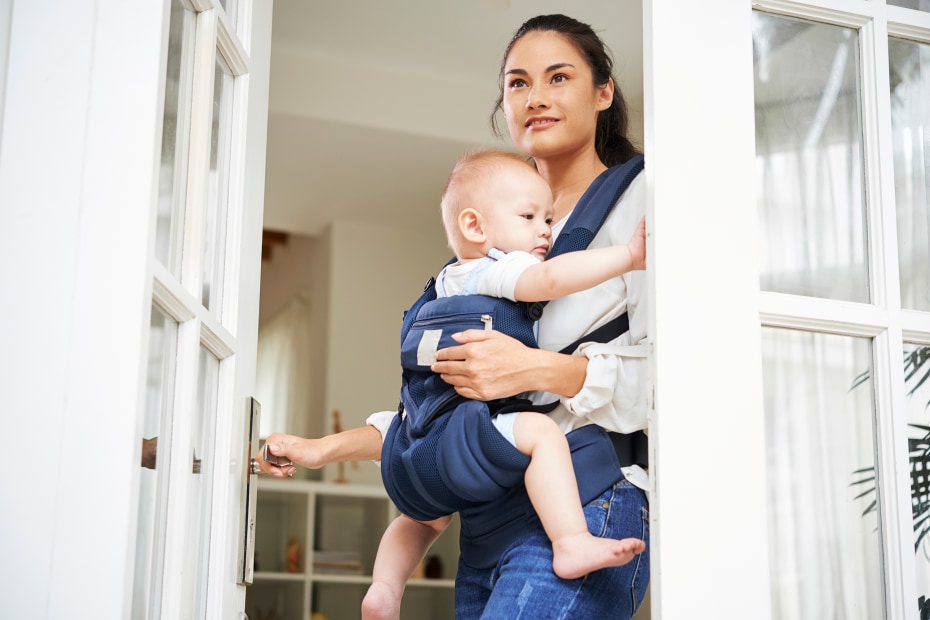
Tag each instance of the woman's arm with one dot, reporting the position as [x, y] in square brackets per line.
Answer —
[357, 444]
[488, 365]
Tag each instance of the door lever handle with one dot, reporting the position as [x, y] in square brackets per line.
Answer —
[271, 459]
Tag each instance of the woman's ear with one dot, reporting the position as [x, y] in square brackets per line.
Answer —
[471, 226]
[605, 95]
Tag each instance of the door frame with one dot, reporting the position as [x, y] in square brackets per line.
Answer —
[79, 161]
[707, 328]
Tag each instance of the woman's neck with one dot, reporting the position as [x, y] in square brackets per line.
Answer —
[569, 178]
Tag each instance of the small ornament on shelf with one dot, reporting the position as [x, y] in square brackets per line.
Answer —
[434, 567]
[294, 556]
[337, 428]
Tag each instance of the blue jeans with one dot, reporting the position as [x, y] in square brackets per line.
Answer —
[522, 584]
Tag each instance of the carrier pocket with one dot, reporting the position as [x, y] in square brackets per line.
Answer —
[437, 320]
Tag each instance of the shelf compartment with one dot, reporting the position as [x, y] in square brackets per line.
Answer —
[279, 600]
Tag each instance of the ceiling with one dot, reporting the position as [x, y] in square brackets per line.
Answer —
[372, 101]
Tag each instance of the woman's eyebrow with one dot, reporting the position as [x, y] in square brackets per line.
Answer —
[549, 69]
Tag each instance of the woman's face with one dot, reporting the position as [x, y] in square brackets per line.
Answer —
[550, 101]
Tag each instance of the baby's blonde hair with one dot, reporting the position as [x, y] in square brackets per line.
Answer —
[466, 186]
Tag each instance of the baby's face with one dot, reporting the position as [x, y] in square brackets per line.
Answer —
[520, 212]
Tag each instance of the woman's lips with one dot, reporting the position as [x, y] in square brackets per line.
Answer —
[540, 122]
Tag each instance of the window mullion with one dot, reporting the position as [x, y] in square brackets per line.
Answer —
[199, 154]
[817, 314]
[908, 24]
[893, 475]
[837, 12]
[915, 326]
[231, 48]
[178, 451]
[891, 434]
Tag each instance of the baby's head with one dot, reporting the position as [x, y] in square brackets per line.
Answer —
[496, 199]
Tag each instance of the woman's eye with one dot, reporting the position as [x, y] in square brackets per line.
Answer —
[559, 77]
[517, 83]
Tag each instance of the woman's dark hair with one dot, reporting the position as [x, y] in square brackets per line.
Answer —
[610, 139]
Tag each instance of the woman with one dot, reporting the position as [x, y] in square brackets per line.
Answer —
[562, 109]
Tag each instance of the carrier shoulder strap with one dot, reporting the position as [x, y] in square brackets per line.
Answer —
[580, 229]
[595, 205]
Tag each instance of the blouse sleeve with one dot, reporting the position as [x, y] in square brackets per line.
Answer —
[381, 421]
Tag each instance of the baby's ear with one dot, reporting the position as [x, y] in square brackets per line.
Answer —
[471, 226]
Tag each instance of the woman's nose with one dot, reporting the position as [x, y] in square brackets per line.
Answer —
[535, 98]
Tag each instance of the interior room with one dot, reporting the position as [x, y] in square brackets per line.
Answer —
[370, 105]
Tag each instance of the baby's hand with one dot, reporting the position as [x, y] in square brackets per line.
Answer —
[637, 246]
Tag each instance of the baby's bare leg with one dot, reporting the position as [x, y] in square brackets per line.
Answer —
[550, 482]
[403, 545]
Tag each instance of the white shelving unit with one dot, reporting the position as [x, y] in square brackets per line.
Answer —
[342, 519]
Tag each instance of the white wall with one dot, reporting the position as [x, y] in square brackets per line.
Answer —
[6, 13]
[377, 272]
[359, 278]
[300, 269]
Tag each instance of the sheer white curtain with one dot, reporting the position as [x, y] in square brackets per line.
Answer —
[824, 546]
[282, 385]
[910, 121]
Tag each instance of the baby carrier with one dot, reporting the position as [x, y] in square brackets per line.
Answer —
[425, 485]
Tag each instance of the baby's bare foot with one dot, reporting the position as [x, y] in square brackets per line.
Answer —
[576, 556]
[380, 603]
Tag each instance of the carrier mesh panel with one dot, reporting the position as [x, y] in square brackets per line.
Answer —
[423, 461]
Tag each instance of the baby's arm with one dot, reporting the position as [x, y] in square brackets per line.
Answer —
[577, 271]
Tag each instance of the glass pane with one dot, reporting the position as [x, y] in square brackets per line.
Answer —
[910, 124]
[823, 527]
[809, 160]
[230, 7]
[201, 488]
[917, 389]
[920, 5]
[150, 529]
[218, 190]
[172, 180]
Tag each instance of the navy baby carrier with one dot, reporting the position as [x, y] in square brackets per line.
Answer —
[464, 478]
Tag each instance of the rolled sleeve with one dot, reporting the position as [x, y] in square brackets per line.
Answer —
[611, 394]
[381, 421]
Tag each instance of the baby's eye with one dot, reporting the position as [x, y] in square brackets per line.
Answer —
[548, 221]
[527, 216]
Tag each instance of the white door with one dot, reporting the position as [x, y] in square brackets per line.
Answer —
[842, 119]
[129, 270]
[788, 149]
[204, 305]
